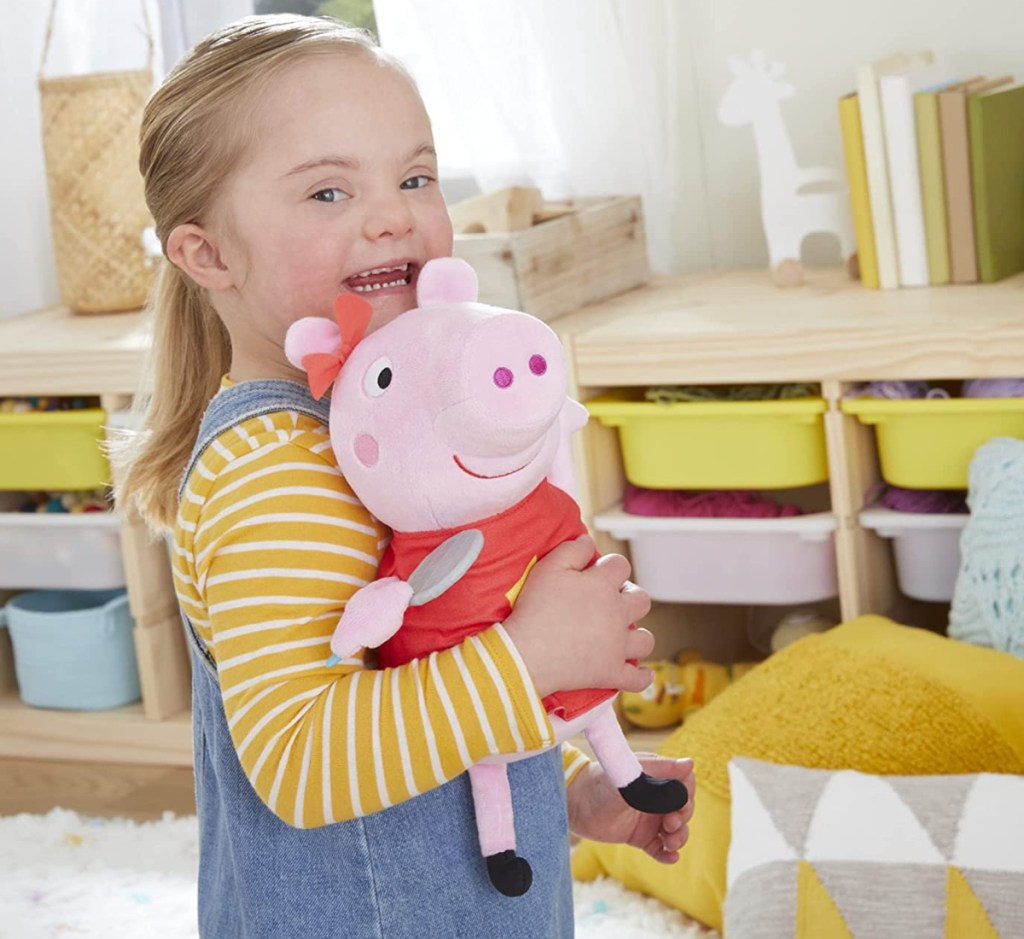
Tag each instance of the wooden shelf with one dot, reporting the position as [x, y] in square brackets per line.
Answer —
[738, 327]
[123, 735]
[54, 352]
[717, 327]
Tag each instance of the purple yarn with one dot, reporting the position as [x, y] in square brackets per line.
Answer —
[993, 388]
[897, 389]
[718, 503]
[972, 388]
[921, 501]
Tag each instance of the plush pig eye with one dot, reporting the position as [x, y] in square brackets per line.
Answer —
[378, 377]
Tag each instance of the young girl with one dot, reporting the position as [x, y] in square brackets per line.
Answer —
[287, 159]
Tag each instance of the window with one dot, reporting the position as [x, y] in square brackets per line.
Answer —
[355, 12]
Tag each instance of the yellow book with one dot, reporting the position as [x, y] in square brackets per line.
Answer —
[933, 192]
[860, 197]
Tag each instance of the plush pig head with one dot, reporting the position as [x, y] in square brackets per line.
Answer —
[450, 413]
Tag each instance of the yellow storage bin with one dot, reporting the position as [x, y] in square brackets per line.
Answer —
[717, 444]
[927, 443]
[53, 450]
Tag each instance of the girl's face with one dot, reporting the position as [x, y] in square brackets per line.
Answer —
[339, 194]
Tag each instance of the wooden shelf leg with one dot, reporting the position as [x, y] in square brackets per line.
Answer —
[864, 561]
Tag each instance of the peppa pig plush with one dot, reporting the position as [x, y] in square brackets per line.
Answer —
[452, 425]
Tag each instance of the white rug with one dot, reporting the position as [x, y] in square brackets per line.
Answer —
[64, 876]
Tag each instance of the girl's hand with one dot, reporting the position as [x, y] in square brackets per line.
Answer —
[571, 623]
[598, 812]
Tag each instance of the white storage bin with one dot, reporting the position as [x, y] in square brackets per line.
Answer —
[729, 560]
[58, 550]
[926, 549]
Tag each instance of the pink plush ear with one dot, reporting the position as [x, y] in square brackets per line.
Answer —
[446, 280]
[309, 335]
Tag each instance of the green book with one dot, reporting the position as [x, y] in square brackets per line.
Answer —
[933, 190]
[996, 126]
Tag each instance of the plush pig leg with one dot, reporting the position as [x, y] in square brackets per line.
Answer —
[492, 802]
[642, 792]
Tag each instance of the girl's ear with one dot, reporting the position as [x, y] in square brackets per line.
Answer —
[191, 250]
[446, 280]
[309, 335]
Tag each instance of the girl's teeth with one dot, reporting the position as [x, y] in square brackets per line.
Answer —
[383, 270]
[369, 287]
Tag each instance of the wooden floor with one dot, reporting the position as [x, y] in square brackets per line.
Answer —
[142, 793]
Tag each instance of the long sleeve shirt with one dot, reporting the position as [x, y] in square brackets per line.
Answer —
[269, 544]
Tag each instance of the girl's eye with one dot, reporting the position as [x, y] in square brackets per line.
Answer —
[417, 182]
[330, 195]
[378, 377]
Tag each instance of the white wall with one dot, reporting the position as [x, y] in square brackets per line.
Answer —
[89, 35]
[717, 220]
[822, 42]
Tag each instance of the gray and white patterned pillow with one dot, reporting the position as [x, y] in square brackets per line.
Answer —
[838, 854]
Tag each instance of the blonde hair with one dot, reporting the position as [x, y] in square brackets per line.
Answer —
[191, 137]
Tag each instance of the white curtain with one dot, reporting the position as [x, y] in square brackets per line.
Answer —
[577, 97]
[184, 22]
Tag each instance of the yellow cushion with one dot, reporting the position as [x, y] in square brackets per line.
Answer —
[869, 695]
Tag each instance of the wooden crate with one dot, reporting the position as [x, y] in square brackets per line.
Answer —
[596, 250]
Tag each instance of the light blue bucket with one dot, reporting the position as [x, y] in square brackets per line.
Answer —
[73, 649]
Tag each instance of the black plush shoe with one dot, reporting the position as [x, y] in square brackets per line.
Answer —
[510, 874]
[654, 796]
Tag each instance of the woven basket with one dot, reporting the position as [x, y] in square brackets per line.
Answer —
[90, 126]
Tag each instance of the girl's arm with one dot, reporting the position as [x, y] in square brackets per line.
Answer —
[277, 544]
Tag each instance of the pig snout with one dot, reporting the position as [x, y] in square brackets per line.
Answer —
[514, 371]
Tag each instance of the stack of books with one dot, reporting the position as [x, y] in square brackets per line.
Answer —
[936, 171]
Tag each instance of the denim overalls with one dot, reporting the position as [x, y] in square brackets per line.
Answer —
[413, 871]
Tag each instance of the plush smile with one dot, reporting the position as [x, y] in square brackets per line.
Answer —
[470, 472]
[381, 278]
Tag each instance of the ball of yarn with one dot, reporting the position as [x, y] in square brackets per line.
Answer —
[670, 394]
[921, 501]
[993, 388]
[897, 389]
[988, 600]
[716, 503]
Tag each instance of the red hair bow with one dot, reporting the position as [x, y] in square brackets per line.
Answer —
[352, 314]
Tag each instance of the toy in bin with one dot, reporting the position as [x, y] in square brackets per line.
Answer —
[679, 689]
[452, 425]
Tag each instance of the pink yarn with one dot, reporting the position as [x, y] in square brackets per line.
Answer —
[718, 503]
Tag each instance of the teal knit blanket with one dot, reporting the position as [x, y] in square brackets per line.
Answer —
[988, 602]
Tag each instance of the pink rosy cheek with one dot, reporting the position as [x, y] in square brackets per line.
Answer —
[366, 450]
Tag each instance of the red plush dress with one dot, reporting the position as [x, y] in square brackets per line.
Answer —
[514, 541]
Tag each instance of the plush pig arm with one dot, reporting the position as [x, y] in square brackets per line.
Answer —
[372, 616]
[572, 418]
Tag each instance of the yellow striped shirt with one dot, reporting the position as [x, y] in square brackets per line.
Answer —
[270, 543]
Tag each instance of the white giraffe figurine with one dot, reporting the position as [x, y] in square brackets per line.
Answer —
[789, 215]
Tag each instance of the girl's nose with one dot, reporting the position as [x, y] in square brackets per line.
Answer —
[388, 216]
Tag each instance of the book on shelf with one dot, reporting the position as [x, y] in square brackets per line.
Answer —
[857, 178]
[896, 91]
[876, 159]
[933, 189]
[956, 162]
[995, 119]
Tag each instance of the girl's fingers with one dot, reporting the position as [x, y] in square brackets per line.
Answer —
[634, 678]
[639, 644]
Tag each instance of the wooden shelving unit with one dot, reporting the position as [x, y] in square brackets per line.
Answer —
[713, 328]
[52, 352]
[737, 327]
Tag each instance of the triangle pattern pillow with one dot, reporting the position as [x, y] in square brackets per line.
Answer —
[838, 854]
